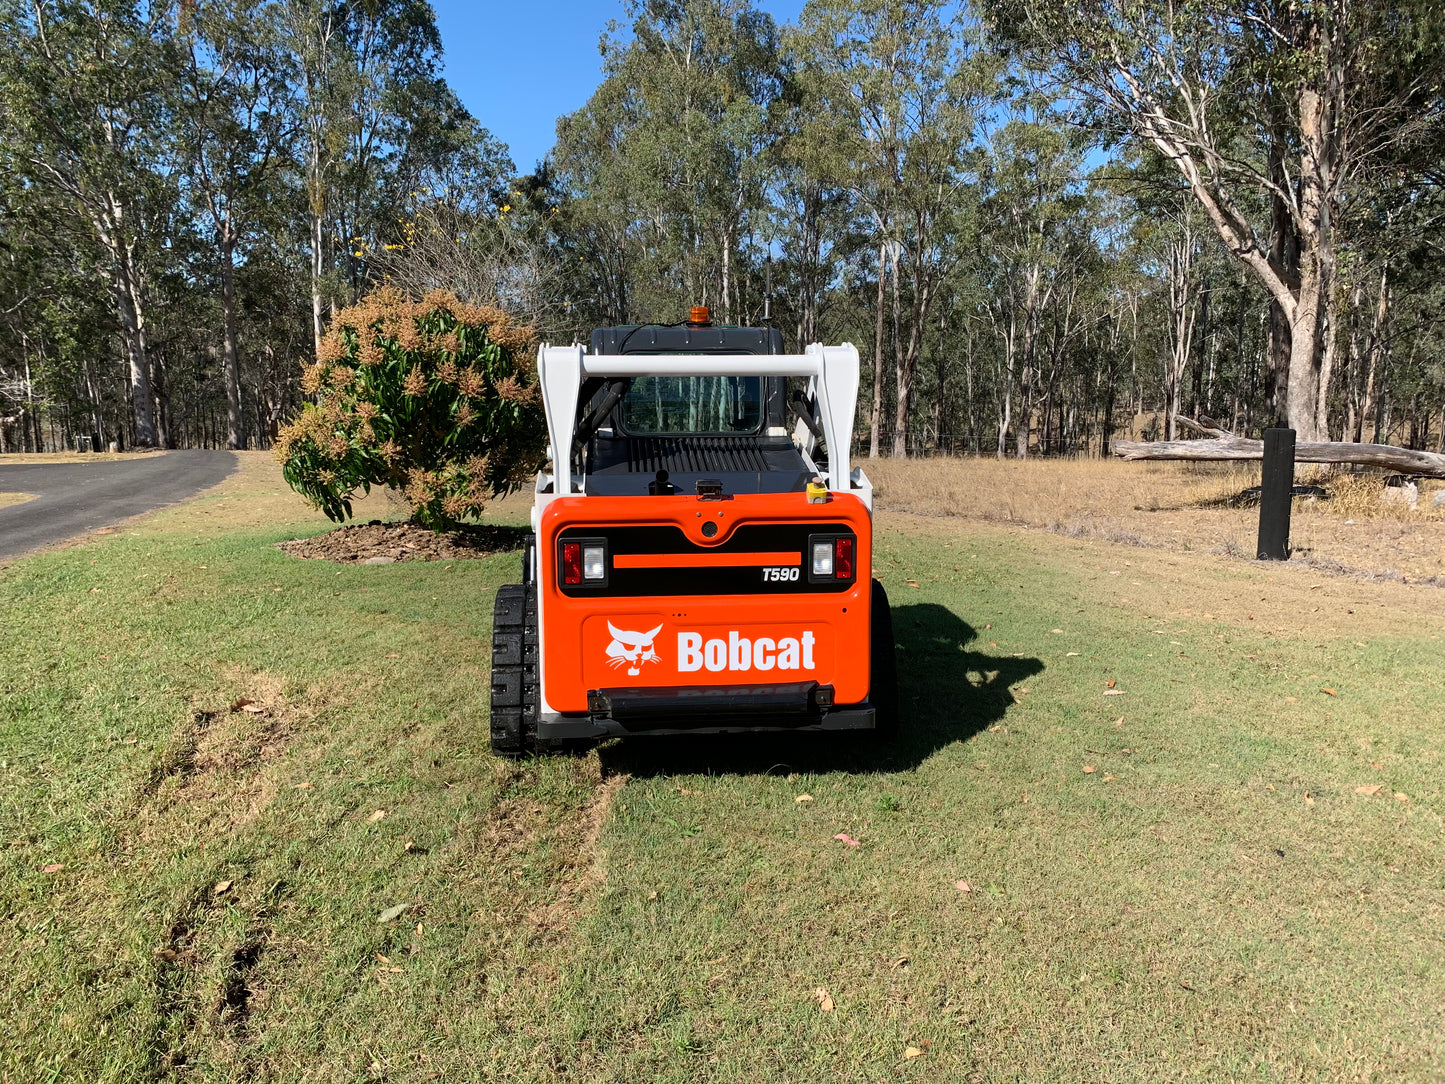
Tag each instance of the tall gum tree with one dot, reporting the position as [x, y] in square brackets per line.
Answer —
[88, 91]
[234, 127]
[1276, 98]
[913, 82]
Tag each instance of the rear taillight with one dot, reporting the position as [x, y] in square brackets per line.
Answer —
[594, 562]
[831, 558]
[582, 562]
[822, 559]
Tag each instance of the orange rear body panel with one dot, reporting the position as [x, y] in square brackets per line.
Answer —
[748, 637]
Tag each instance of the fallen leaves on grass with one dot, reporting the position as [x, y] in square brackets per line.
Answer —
[912, 1052]
[245, 703]
[391, 914]
[1089, 769]
[378, 815]
[1400, 796]
[1110, 683]
[54, 867]
[844, 837]
[1371, 790]
[1309, 798]
[221, 888]
[963, 886]
[1329, 692]
[825, 999]
[803, 798]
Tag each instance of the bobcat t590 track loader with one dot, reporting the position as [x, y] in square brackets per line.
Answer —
[701, 550]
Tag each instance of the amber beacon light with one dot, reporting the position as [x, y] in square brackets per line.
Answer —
[700, 316]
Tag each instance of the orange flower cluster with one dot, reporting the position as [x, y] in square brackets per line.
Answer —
[417, 396]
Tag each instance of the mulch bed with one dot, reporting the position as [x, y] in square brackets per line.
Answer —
[380, 543]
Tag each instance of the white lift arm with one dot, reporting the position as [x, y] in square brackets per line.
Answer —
[832, 369]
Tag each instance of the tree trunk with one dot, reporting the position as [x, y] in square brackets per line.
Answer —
[318, 268]
[1029, 374]
[132, 323]
[1382, 307]
[235, 422]
[1327, 367]
[1304, 354]
[875, 414]
[1181, 324]
[904, 371]
[893, 252]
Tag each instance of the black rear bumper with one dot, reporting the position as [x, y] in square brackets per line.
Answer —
[700, 709]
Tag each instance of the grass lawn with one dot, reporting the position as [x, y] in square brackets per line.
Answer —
[252, 830]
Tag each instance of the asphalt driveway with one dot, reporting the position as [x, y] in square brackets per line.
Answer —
[72, 498]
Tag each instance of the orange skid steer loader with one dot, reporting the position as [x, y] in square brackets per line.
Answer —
[700, 561]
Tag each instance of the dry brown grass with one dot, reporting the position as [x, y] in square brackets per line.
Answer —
[1178, 506]
[16, 459]
[256, 495]
[8, 499]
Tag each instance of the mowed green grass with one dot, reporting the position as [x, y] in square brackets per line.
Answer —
[1213, 901]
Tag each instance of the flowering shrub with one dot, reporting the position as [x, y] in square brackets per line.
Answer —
[436, 399]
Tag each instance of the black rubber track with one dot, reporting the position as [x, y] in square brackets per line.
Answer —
[883, 693]
[515, 695]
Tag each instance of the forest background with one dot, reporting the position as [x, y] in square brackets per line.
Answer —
[1044, 223]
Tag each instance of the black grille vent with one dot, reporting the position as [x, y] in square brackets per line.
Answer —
[695, 455]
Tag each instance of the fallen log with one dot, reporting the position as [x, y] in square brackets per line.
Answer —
[1226, 446]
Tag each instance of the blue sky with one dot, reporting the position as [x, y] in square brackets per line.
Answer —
[519, 66]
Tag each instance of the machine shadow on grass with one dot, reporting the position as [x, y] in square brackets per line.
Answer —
[947, 692]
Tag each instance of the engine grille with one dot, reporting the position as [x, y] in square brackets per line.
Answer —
[695, 455]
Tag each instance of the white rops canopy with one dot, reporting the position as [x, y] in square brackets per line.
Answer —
[832, 372]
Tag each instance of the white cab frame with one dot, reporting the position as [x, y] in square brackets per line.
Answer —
[832, 373]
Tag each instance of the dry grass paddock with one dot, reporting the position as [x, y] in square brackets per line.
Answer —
[1177, 506]
[20, 459]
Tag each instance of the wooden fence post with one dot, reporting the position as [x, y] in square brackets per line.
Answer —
[1275, 493]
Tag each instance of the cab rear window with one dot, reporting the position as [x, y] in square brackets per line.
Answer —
[693, 404]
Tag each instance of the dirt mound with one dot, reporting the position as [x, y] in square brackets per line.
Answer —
[380, 543]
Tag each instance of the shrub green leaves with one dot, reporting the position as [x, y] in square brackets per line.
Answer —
[436, 399]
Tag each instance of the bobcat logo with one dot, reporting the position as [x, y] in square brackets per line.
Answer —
[631, 648]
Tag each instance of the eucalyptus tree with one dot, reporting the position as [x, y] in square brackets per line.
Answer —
[1035, 225]
[89, 90]
[668, 159]
[913, 81]
[1268, 98]
[312, 31]
[235, 130]
[815, 219]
